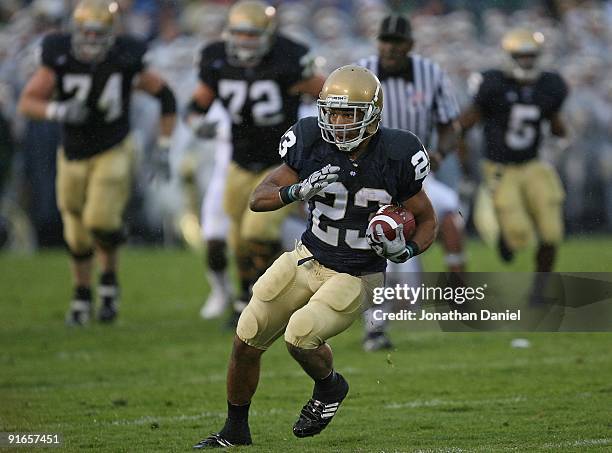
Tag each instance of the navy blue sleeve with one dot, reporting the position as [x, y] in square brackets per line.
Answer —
[485, 93]
[210, 57]
[137, 50]
[297, 61]
[556, 93]
[51, 49]
[414, 167]
[296, 142]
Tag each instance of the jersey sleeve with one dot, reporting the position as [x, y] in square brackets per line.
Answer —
[557, 92]
[50, 50]
[413, 169]
[139, 56]
[485, 92]
[300, 63]
[295, 142]
[207, 71]
[446, 106]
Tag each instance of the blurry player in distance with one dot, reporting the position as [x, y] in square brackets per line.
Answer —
[345, 167]
[259, 75]
[524, 192]
[419, 98]
[93, 71]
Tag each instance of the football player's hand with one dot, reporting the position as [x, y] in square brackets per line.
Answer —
[161, 159]
[316, 182]
[392, 249]
[73, 111]
[202, 127]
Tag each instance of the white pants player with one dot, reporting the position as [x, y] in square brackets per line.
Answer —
[444, 201]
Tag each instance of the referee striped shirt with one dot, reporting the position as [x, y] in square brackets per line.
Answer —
[418, 100]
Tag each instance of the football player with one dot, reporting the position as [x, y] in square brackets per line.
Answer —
[345, 167]
[92, 71]
[259, 75]
[512, 103]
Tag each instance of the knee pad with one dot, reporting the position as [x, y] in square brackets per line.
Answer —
[108, 240]
[77, 237]
[300, 329]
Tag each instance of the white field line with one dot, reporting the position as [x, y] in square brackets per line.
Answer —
[441, 402]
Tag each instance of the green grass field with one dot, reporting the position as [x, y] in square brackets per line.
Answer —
[155, 381]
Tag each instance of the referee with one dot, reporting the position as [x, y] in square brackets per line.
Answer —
[418, 98]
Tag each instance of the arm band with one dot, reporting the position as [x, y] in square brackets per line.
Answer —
[412, 248]
[288, 194]
[167, 100]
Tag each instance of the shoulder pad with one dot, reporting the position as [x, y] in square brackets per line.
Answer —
[307, 131]
[399, 144]
[492, 75]
[55, 48]
[553, 81]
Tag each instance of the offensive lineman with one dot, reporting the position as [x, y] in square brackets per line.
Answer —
[345, 168]
[259, 75]
[93, 72]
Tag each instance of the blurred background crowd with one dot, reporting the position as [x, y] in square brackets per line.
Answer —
[463, 36]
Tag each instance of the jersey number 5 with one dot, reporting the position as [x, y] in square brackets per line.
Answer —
[522, 132]
[110, 98]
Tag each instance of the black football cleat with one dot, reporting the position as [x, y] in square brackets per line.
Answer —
[218, 441]
[505, 252]
[316, 415]
[109, 303]
[79, 313]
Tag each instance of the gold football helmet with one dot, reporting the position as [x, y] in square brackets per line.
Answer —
[93, 23]
[250, 32]
[524, 47]
[352, 89]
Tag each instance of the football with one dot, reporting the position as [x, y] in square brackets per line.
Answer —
[390, 217]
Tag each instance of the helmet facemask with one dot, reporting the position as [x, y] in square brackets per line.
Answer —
[91, 41]
[93, 29]
[524, 67]
[347, 136]
[247, 46]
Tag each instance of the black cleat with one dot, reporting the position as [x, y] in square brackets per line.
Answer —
[218, 441]
[376, 341]
[316, 415]
[506, 254]
[79, 313]
[109, 303]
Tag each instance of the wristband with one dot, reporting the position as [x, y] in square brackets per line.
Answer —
[413, 248]
[288, 194]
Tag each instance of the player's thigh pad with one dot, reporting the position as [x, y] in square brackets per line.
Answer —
[443, 199]
[109, 187]
[71, 188]
[504, 182]
[331, 310]
[277, 294]
[239, 185]
[545, 195]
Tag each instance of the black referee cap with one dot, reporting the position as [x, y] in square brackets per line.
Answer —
[395, 27]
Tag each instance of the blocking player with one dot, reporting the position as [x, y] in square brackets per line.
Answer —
[93, 71]
[259, 75]
[512, 103]
[345, 167]
[420, 99]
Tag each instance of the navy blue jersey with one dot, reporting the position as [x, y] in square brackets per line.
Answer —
[391, 170]
[257, 98]
[512, 113]
[106, 87]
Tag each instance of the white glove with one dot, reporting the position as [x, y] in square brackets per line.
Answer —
[392, 249]
[202, 127]
[316, 182]
[73, 111]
